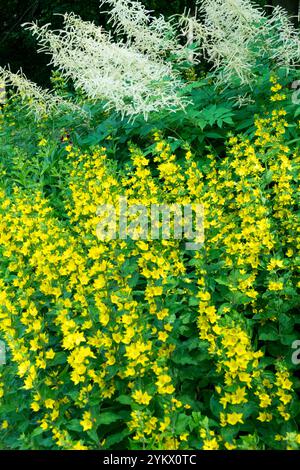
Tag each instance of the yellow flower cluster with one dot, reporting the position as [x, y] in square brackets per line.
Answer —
[105, 338]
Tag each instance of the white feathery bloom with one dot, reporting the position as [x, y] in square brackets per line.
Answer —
[193, 32]
[242, 100]
[39, 100]
[136, 73]
[236, 36]
[125, 79]
[284, 39]
[190, 26]
[154, 36]
[229, 28]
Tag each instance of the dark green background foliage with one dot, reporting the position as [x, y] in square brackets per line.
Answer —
[18, 49]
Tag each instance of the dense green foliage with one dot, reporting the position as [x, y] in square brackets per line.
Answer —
[142, 343]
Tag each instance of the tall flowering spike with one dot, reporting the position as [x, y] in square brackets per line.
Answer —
[229, 28]
[154, 36]
[39, 100]
[193, 32]
[236, 35]
[244, 11]
[284, 40]
[127, 80]
[74, 23]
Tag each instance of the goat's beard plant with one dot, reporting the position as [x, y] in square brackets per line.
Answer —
[140, 344]
[138, 68]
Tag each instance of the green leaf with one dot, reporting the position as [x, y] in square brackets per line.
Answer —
[124, 400]
[215, 406]
[182, 422]
[193, 301]
[107, 417]
[268, 333]
[59, 358]
[116, 438]
[74, 425]
[93, 435]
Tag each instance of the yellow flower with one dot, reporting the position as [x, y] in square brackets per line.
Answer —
[275, 263]
[73, 339]
[162, 314]
[276, 87]
[99, 283]
[165, 424]
[264, 417]
[163, 336]
[4, 424]
[143, 246]
[234, 418]
[204, 295]
[79, 446]
[210, 444]
[22, 369]
[230, 446]
[275, 285]
[50, 354]
[86, 422]
[35, 406]
[44, 425]
[245, 377]
[163, 384]
[157, 290]
[265, 400]
[49, 403]
[239, 396]
[141, 398]
[54, 415]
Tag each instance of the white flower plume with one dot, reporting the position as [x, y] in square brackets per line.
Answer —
[127, 80]
[134, 69]
[229, 28]
[284, 39]
[154, 36]
[39, 100]
[236, 35]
